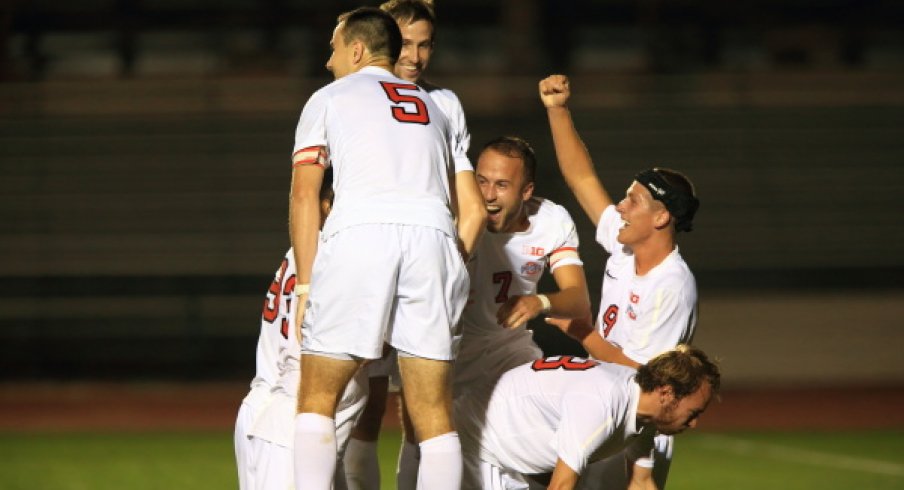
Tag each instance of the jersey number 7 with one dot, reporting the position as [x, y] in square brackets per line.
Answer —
[411, 108]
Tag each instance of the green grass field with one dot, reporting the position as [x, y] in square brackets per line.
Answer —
[733, 460]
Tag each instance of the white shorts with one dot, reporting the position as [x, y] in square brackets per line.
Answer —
[271, 422]
[275, 468]
[482, 361]
[492, 477]
[244, 447]
[271, 438]
[370, 282]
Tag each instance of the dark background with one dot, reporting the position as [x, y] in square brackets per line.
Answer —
[144, 164]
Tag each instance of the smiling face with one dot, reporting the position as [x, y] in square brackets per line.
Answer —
[502, 183]
[641, 215]
[678, 415]
[417, 47]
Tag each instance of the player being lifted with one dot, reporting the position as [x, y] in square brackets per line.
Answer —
[391, 223]
[417, 24]
[649, 297]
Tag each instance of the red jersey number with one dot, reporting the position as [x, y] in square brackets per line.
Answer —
[281, 287]
[411, 108]
[609, 319]
[504, 279]
[568, 363]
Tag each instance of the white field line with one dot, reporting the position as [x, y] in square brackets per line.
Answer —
[793, 455]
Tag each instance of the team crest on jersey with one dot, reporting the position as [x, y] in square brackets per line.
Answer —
[534, 251]
[635, 298]
[531, 268]
[631, 314]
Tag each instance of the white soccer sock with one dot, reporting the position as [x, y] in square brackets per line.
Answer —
[441, 463]
[362, 467]
[406, 471]
[315, 451]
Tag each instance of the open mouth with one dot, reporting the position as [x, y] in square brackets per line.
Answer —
[411, 69]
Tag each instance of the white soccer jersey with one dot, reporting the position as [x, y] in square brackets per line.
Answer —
[390, 148]
[278, 354]
[274, 353]
[559, 407]
[644, 315]
[506, 265]
[461, 139]
[511, 264]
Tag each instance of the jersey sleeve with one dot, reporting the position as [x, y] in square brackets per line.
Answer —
[669, 320]
[566, 252]
[607, 229]
[461, 138]
[310, 133]
[583, 428]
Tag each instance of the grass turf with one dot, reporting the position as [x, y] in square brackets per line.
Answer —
[204, 460]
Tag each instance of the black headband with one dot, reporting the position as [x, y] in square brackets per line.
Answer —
[681, 205]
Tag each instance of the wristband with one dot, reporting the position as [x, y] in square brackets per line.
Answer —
[302, 289]
[545, 302]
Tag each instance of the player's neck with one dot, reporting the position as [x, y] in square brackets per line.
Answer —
[651, 253]
[522, 223]
[378, 62]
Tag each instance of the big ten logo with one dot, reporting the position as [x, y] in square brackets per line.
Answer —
[533, 251]
[531, 268]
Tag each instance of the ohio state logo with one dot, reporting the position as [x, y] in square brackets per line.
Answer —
[531, 268]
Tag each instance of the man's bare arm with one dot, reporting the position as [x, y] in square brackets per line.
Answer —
[304, 226]
[571, 153]
[470, 212]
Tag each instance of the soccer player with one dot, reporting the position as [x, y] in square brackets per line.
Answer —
[263, 445]
[525, 235]
[389, 265]
[649, 297]
[417, 24]
[555, 415]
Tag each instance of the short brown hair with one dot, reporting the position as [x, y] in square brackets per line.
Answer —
[515, 147]
[684, 368]
[375, 28]
[409, 11]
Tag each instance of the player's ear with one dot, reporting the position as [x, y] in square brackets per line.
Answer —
[662, 218]
[358, 50]
[528, 191]
[666, 394]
